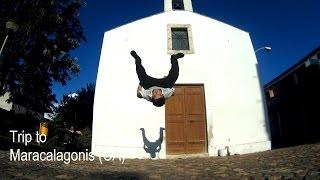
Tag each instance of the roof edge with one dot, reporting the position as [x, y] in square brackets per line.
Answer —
[175, 11]
[292, 68]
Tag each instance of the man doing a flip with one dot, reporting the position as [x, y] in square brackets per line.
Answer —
[153, 89]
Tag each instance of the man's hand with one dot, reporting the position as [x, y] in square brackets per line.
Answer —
[138, 91]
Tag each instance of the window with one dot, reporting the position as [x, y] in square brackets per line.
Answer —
[177, 4]
[180, 39]
[271, 93]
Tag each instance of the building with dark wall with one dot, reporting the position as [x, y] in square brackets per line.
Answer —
[293, 101]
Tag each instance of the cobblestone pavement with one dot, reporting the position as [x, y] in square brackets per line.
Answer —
[300, 162]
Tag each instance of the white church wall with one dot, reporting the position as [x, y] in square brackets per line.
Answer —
[224, 61]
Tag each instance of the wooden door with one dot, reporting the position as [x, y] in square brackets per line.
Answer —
[185, 121]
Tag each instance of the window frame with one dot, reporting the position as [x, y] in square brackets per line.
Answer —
[170, 50]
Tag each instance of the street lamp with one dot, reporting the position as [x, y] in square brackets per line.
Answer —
[10, 26]
[267, 48]
[265, 108]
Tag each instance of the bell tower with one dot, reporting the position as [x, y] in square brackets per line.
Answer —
[176, 5]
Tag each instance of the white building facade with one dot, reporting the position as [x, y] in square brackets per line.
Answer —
[218, 105]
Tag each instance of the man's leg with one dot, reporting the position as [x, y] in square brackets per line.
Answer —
[174, 71]
[141, 72]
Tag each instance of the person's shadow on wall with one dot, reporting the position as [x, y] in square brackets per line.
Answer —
[152, 147]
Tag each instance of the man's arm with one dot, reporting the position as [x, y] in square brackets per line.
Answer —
[173, 91]
[142, 93]
[138, 91]
[168, 92]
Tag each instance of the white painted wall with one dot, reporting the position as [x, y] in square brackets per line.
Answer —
[224, 61]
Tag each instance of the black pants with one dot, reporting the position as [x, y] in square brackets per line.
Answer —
[146, 81]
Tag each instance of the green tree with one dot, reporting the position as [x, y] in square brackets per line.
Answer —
[76, 110]
[38, 54]
[73, 114]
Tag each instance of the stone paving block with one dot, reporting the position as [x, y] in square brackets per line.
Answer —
[301, 162]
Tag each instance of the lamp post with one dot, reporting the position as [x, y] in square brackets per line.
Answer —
[267, 48]
[10, 26]
[264, 103]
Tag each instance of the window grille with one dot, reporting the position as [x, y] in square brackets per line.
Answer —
[177, 4]
[180, 40]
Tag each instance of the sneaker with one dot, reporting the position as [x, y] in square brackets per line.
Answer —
[133, 53]
[177, 56]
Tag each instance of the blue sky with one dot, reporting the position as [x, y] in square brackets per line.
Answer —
[290, 27]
